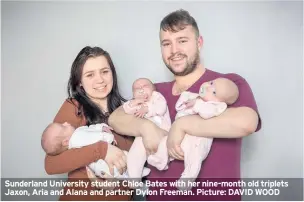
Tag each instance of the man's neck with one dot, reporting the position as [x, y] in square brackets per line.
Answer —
[182, 83]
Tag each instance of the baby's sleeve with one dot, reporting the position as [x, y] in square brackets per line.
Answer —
[157, 105]
[128, 109]
[209, 109]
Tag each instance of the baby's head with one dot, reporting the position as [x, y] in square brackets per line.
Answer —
[55, 138]
[219, 90]
[142, 88]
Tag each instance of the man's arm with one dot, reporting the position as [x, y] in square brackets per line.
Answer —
[124, 123]
[233, 123]
[238, 121]
[130, 125]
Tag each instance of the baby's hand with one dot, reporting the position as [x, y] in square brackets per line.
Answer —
[115, 142]
[107, 129]
[136, 102]
[190, 103]
[142, 111]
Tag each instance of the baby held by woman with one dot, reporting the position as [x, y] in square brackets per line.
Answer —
[57, 138]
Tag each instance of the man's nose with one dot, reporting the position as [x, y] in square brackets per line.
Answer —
[174, 48]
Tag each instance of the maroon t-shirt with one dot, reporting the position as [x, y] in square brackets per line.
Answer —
[223, 160]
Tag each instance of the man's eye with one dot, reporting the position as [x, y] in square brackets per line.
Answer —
[182, 41]
[166, 44]
[104, 72]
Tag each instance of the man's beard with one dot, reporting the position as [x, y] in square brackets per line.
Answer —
[190, 65]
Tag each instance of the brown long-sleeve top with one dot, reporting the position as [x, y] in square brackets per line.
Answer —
[74, 161]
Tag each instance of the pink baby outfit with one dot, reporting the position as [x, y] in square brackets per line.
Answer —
[196, 148]
[158, 113]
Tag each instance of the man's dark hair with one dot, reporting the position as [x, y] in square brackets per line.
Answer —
[177, 21]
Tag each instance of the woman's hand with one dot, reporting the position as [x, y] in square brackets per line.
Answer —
[116, 157]
[151, 135]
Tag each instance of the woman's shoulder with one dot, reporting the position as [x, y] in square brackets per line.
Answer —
[70, 111]
[71, 101]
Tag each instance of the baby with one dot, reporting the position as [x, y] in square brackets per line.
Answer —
[57, 138]
[149, 104]
[211, 101]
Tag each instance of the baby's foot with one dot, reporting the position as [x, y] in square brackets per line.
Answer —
[158, 163]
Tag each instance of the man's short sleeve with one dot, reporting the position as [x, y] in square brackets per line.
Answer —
[246, 97]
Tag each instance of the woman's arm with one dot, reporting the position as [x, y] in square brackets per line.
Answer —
[73, 159]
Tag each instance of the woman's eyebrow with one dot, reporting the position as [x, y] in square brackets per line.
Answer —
[91, 71]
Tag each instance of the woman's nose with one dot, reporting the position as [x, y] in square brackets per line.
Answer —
[99, 78]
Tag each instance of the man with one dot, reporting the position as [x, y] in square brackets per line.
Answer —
[180, 45]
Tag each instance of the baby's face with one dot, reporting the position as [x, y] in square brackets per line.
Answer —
[208, 91]
[142, 88]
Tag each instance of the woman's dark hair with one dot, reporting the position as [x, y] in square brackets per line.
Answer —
[87, 107]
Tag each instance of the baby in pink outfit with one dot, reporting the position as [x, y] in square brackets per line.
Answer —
[150, 104]
[211, 101]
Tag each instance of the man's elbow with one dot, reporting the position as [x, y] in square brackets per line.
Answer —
[250, 124]
[112, 118]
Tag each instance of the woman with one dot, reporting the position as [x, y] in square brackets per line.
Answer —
[93, 95]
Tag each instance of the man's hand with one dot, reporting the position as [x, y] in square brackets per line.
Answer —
[175, 138]
[142, 111]
[151, 135]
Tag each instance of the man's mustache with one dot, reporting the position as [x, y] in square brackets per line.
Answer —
[176, 55]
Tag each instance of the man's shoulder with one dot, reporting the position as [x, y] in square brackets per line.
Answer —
[162, 87]
[231, 76]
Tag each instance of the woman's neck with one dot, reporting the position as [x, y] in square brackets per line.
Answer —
[102, 104]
